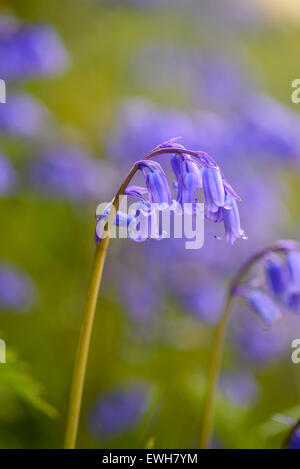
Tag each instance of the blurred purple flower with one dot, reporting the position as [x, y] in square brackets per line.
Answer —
[8, 176]
[294, 442]
[276, 275]
[141, 125]
[240, 387]
[28, 51]
[69, 171]
[16, 290]
[257, 344]
[202, 299]
[117, 412]
[265, 127]
[23, 116]
[293, 293]
[264, 306]
[141, 296]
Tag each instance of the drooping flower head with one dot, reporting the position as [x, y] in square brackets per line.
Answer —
[193, 170]
[269, 293]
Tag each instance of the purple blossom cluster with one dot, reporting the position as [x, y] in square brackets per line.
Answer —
[278, 290]
[192, 173]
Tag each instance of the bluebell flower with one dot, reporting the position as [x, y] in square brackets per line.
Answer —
[156, 182]
[276, 275]
[264, 306]
[213, 188]
[8, 176]
[16, 290]
[117, 412]
[258, 344]
[27, 51]
[122, 219]
[189, 178]
[293, 293]
[231, 220]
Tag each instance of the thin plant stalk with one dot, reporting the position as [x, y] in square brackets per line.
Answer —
[80, 365]
[214, 370]
[219, 338]
[83, 345]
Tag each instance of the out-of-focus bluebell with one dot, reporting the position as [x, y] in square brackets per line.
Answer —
[117, 411]
[8, 176]
[276, 275]
[264, 306]
[294, 440]
[206, 78]
[23, 116]
[257, 344]
[29, 50]
[17, 290]
[70, 172]
[265, 128]
[239, 387]
[202, 299]
[141, 125]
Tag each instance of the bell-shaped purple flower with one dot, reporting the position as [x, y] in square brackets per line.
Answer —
[276, 275]
[231, 219]
[156, 182]
[293, 260]
[293, 294]
[158, 187]
[264, 306]
[189, 178]
[122, 219]
[213, 188]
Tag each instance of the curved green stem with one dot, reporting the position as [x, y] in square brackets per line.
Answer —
[215, 365]
[83, 345]
[218, 343]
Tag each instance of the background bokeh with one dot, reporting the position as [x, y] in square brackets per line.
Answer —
[91, 87]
